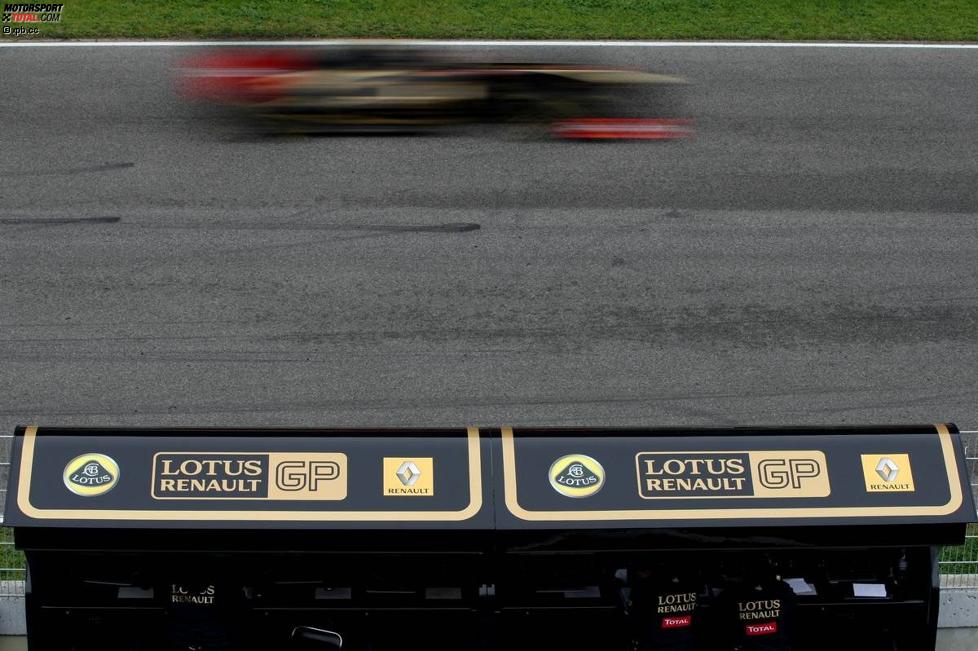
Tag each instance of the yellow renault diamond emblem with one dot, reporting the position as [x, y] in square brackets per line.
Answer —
[413, 476]
[887, 473]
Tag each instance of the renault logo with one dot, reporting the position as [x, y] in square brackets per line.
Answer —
[409, 476]
[888, 473]
[408, 473]
[887, 469]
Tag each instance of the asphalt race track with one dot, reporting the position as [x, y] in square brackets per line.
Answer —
[811, 257]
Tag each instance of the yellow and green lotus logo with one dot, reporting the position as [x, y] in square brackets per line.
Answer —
[576, 475]
[91, 474]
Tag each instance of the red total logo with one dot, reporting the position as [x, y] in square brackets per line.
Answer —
[768, 628]
[677, 622]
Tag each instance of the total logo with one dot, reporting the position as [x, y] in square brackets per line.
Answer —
[767, 628]
[887, 473]
[677, 622]
[91, 474]
[576, 475]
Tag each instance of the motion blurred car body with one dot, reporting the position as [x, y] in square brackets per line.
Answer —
[369, 88]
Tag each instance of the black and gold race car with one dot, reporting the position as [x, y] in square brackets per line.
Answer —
[372, 88]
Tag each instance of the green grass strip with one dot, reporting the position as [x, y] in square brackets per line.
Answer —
[936, 20]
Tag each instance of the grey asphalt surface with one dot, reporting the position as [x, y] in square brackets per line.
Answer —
[811, 257]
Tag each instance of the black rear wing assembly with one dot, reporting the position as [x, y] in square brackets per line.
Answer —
[501, 538]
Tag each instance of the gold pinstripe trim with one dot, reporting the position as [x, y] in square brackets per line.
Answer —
[512, 499]
[475, 501]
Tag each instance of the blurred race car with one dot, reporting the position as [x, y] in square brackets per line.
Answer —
[383, 88]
